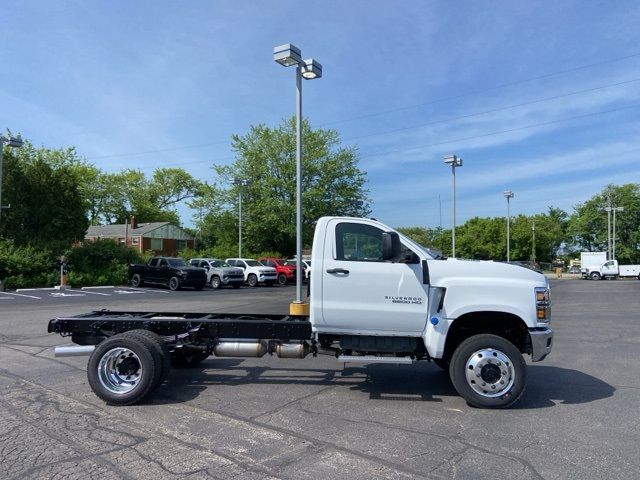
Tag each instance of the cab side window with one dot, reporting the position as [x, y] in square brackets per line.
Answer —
[358, 242]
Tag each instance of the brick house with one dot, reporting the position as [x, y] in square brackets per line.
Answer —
[162, 238]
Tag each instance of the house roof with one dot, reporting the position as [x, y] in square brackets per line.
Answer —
[107, 231]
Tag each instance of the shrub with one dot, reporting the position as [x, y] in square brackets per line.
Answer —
[26, 266]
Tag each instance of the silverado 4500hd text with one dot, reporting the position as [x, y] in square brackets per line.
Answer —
[376, 296]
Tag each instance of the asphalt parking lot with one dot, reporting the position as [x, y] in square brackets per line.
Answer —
[314, 418]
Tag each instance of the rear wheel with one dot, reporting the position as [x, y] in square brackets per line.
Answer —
[136, 280]
[488, 371]
[158, 348]
[252, 280]
[122, 370]
[595, 276]
[174, 283]
[215, 282]
[282, 279]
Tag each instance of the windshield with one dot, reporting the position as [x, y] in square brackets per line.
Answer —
[219, 263]
[253, 263]
[176, 262]
[413, 244]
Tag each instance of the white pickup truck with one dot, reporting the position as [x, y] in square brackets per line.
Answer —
[611, 269]
[376, 297]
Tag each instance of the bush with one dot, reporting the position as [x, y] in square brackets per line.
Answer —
[26, 266]
[101, 262]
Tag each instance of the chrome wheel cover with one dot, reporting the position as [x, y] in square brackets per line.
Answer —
[120, 370]
[490, 372]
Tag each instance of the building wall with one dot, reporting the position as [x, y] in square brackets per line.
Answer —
[169, 246]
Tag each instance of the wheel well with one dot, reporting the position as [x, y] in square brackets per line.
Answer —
[505, 325]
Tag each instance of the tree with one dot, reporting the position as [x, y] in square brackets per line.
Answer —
[332, 184]
[47, 208]
[587, 227]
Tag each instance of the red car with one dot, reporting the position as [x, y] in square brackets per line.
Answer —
[286, 273]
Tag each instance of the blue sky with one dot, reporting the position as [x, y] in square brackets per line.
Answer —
[542, 98]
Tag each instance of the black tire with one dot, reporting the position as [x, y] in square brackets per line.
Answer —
[160, 347]
[136, 280]
[122, 348]
[282, 279]
[442, 363]
[174, 284]
[512, 373]
[252, 281]
[215, 282]
[187, 359]
[595, 276]
[237, 285]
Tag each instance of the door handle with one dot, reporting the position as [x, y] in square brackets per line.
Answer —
[338, 270]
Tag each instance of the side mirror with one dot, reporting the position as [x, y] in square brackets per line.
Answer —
[391, 246]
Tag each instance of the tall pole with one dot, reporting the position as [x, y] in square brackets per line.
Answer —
[1, 153]
[508, 229]
[453, 230]
[533, 250]
[613, 236]
[609, 233]
[299, 184]
[240, 221]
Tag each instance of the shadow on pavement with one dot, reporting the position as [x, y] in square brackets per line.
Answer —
[547, 385]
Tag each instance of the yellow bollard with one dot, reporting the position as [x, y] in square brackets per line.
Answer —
[299, 309]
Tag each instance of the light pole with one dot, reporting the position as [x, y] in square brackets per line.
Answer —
[608, 210]
[508, 195]
[241, 182]
[289, 55]
[454, 162]
[13, 142]
[533, 249]
[615, 209]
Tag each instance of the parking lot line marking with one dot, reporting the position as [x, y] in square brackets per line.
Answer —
[100, 286]
[35, 289]
[63, 294]
[97, 293]
[6, 298]
[148, 290]
[20, 295]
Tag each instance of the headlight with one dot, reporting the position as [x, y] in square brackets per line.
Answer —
[543, 304]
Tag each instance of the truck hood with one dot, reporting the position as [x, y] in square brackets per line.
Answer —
[453, 269]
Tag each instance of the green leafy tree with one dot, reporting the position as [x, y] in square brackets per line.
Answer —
[587, 226]
[332, 184]
[47, 207]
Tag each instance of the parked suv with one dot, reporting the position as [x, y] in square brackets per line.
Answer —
[172, 272]
[254, 271]
[306, 267]
[285, 272]
[219, 273]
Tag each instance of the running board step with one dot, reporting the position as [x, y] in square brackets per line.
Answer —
[373, 359]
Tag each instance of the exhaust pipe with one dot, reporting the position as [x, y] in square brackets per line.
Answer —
[293, 349]
[74, 351]
[251, 348]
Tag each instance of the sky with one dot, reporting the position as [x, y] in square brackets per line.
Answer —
[541, 98]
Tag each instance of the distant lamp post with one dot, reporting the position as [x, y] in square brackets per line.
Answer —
[614, 210]
[608, 209]
[453, 161]
[13, 142]
[240, 182]
[508, 195]
[289, 55]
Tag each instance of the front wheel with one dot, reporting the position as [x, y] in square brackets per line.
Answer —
[136, 280]
[215, 282]
[174, 283]
[488, 371]
[252, 280]
[282, 279]
[595, 276]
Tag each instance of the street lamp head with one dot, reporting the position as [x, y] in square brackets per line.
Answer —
[453, 160]
[242, 181]
[508, 194]
[311, 69]
[287, 55]
[14, 142]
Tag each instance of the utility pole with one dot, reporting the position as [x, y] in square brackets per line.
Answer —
[533, 249]
[608, 210]
[508, 195]
[615, 209]
[453, 161]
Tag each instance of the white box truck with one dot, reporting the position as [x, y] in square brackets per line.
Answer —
[591, 259]
[376, 297]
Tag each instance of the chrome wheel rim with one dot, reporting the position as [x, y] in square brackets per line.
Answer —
[135, 281]
[120, 370]
[173, 284]
[490, 372]
[215, 282]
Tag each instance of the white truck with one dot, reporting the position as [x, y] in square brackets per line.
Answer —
[590, 260]
[611, 269]
[376, 297]
[254, 272]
